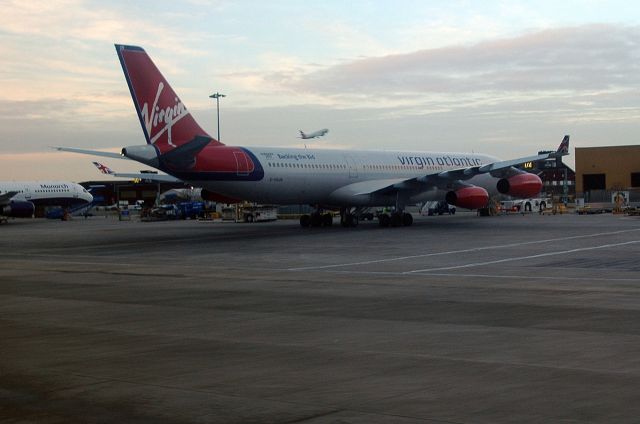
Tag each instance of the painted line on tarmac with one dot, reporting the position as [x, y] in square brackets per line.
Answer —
[69, 259]
[511, 277]
[520, 258]
[452, 252]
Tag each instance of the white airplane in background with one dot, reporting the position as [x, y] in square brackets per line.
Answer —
[314, 134]
[348, 180]
[19, 199]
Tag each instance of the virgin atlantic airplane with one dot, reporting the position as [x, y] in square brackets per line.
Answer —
[348, 180]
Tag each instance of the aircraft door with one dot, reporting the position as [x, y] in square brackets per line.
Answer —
[243, 164]
[27, 193]
[351, 164]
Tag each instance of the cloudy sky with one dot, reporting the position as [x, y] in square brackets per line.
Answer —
[503, 77]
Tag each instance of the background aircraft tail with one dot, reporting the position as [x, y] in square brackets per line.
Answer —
[165, 120]
[563, 149]
[103, 168]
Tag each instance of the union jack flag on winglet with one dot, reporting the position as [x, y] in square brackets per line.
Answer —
[563, 149]
[103, 168]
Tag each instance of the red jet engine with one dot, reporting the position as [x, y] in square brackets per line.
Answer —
[521, 185]
[468, 197]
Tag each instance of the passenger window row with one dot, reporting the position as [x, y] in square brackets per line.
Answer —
[306, 165]
[340, 166]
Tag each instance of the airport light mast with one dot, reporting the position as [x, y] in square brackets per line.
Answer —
[217, 97]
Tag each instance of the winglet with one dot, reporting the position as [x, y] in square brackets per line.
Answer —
[103, 168]
[563, 149]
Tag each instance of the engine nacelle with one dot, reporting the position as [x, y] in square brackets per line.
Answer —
[521, 185]
[217, 197]
[468, 197]
[19, 209]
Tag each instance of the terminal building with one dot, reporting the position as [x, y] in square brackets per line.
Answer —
[112, 192]
[603, 171]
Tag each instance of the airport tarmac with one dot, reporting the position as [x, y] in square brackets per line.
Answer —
[458, 319]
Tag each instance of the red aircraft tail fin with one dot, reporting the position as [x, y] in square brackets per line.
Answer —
[165, 120]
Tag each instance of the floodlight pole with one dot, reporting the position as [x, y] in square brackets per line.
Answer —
[217, 97]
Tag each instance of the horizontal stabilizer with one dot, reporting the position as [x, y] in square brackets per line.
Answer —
[162, 178]
[183, 156]
[90, 152]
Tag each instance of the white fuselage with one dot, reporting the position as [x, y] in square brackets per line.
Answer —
[336, 177]
[58, 193]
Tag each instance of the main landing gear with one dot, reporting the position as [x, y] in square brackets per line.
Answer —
[316, 219]
[348, 218]
[395, 219]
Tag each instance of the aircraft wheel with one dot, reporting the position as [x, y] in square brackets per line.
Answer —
[407, 219]
[327, 220]
[350, 220]
[316, 219]
[384, 220]
[527, 207]
[305, 221]
[249, 218]
[396, 219]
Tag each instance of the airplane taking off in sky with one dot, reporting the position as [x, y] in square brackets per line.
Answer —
[314, 134]
[349, 180]
[20, 199]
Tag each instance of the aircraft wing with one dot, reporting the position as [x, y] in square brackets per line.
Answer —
[5, 198]
[500, 169]
[445, 179]
[364, 188]
[91, 152]
[496, 169]
[151, 177]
